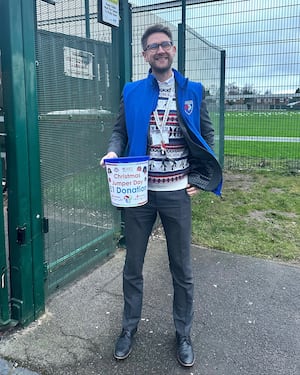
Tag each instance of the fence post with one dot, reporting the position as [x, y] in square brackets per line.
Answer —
[222, 109]
[17, 42]
[87, 19]
[122, 45]
[182, 39]
[125, 43]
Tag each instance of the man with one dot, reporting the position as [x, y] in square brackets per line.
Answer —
[165, 117]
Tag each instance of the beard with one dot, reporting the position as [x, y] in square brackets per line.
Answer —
[161, 69]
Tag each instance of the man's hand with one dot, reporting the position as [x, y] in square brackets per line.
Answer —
[192, 190]
[109, 155]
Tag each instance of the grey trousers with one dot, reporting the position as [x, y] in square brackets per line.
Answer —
[174, 209]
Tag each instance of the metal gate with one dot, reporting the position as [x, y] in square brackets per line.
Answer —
[61, 90]
[78, 97]
[24, 291]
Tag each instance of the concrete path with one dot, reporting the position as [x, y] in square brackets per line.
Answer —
[247, 321]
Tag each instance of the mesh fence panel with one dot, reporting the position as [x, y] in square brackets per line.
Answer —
[70, 18]
[202, 63]
[77, 104]
[262, 87]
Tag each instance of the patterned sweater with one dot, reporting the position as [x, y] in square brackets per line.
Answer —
[168, 168]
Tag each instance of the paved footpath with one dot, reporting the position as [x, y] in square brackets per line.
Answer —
[246, 322]
[9, 368]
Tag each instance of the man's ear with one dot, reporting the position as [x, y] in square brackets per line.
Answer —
[145, 56]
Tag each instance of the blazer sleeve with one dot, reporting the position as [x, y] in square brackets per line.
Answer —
[119, 139]
[206, 126]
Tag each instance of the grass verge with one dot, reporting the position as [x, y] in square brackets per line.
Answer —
[258, 215]
[264, 124]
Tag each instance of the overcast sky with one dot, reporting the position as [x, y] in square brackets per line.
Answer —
[261, 39]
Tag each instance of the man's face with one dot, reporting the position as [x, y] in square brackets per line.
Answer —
[161, 58]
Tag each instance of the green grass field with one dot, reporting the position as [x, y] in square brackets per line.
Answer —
[269, 150]
[263, 124]
[259, 215]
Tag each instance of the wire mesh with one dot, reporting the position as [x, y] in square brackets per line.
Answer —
[77, 105]
[262, 85]
[71, 17]
[202, 63]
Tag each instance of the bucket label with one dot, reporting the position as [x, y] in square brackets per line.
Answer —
[128, 182]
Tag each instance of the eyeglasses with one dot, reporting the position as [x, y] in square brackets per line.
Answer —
[155, 46]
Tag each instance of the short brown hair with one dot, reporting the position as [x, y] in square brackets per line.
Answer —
[158, 28]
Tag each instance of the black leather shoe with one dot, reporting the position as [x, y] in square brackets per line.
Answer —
[185, 353]
[124, 344]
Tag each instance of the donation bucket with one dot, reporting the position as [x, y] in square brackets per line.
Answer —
[128, 180]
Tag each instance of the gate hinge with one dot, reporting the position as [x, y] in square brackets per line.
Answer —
[45, 225]
[21, 235]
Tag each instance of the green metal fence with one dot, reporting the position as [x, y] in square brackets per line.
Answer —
[24, 215]
[78, 94]
[61, 97]
[59, 94]
[262, 87]
[196, 57]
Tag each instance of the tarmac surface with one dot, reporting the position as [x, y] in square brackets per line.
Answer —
[246, 322]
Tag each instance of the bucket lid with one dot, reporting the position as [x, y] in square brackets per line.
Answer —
[128, 159]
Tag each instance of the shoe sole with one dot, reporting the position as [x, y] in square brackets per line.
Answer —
[123, 357]
[185, 364]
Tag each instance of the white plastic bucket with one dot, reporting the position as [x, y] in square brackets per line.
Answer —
[128, 180]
